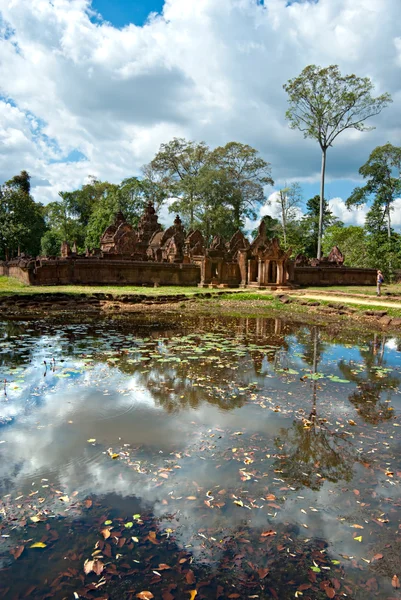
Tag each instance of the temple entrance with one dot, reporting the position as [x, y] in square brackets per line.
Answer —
[215, 271]
[272, 272]
[253, 271]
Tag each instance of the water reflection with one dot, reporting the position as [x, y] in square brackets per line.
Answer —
[249, 446]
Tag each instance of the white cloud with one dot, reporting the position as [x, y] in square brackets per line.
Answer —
[355, 216]
[205, 70]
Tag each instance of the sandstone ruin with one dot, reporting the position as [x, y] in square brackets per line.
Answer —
[149, 255]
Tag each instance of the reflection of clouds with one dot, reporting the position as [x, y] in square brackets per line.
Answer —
[117, 408]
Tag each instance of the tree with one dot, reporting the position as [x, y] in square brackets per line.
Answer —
[22, 221]
[60, 221]
[383, 174]
[323, 103]
[50, 244]
[272, 227]
[352, 241]
[130, 197]
[288, 198]
[246, 174]
[177, 165]
[310, 224]
[81, 203]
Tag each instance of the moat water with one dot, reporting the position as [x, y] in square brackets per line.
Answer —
[209, 458]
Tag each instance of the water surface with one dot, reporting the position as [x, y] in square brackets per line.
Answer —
[234, 458]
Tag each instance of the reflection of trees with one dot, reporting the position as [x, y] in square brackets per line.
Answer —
[372, 383]
[177, 381]
[310, 452]
[313, 345]
[15, 355]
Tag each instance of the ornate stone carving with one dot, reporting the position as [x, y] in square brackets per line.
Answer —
[119, 238]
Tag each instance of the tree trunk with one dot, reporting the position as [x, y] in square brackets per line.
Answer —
[320, 232]
[237, 216]
[191, 208]
[388, 221]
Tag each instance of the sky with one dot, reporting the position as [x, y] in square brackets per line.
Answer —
[92, 88]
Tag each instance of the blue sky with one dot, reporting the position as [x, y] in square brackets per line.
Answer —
[123, 12]
[79, 98]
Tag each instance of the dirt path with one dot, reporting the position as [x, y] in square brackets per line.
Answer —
[344, 299]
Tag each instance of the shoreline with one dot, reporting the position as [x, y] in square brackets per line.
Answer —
[291, 308]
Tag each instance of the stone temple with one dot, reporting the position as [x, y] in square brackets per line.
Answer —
[148, 255]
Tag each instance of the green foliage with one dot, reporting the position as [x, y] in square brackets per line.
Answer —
[50, 244]
[323, 103]
[288, 199]
[353, 242]
[214, 191]
[22, 221]
[382, 172]
[273, 228]
[130, 197]
[309, 227]
[245, 175]
[177, 165]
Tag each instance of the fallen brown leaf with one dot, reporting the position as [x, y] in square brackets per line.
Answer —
[17, 551]
[190, 577]
[395, 582]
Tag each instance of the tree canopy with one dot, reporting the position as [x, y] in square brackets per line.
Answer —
[22, 221]
[323, 103]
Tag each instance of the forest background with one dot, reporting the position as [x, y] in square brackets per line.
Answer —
[216, 191]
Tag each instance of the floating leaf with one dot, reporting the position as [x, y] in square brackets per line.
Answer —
[315, 569]
[268, 533]
[395, 582]
[17, 551]
[92, 440]
[145, 596]
[330, 592]
[93, 565]
[38, 545]
[108, 522]
[192, 594]
[238, 502]
[358, 539]
[190, 577]
[105, 533]
[129, 525]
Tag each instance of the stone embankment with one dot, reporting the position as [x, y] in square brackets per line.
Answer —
[89, 303]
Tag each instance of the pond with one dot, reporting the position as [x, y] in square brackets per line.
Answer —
[209, 458]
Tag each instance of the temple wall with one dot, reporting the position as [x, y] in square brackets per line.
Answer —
[324, 276]
[15, 271]
[103, 272]
[115, 271]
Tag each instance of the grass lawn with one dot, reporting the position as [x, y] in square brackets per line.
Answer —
[9, 285]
